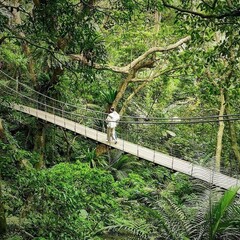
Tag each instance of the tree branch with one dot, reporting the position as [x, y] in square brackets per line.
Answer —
[2, 39]
[234, 13]
[134, 63]
[81, 58]
[158, 49]
[162, 72]
[213, 5]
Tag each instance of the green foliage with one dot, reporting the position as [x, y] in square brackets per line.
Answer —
[178, 188]
[11, 56]
[14, 238]
[72, 197]
[206, 216]
[71, 25]
[81, 201]
[137, 229]
[121, 164]
[3, 20]
[13, 157]
[92, 159]
[222, 216]
[132, 187]
[108, 96]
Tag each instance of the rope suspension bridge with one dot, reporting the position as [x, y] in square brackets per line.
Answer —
[91, 124]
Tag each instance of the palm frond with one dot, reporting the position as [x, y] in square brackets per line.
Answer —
[109, 96]
[219, 210]
[133, 231]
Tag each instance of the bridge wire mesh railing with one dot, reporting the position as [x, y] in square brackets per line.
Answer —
[159, 134]
[31, 98]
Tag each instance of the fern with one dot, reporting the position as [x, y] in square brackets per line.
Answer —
[108, 97]
[136, 230]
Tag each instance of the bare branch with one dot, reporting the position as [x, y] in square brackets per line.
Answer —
[162, 72]
[213, 5]
[85, 61]
[144, 82]
[158, 49]
[125, 69]
[234, 13]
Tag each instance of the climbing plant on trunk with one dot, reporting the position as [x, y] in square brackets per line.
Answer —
[3, 223]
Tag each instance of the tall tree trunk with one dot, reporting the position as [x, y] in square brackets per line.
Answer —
[2, 134]
[157, 20]
[31, 63]
[39, 145]
[16, 13]
[3, 223]
[16, 20]
[220, 131]
[233, 138]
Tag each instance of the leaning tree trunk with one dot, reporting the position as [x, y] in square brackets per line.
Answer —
[233, 138]
[121, 90]
[3, 223]
[220, 131]
[128, 100]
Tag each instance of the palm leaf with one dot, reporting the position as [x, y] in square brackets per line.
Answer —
[219, 210]
[109, 96]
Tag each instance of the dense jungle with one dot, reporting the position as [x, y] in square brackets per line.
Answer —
[170, 68]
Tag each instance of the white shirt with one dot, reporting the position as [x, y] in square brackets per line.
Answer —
[112, 119]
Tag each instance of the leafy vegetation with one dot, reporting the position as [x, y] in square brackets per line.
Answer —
[152, 61]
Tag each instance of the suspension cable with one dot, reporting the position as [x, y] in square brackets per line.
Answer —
[148, 120]
[50, 98]
[167, 121]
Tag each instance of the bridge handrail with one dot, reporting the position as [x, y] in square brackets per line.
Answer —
[167, 121]
[176, 120]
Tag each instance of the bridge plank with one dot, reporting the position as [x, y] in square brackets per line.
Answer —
[176, 164]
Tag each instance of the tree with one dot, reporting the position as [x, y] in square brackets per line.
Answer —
[224, 10]
[3, 223]
[77, 203]
[146, 60]
[212, 24]
[69, 50]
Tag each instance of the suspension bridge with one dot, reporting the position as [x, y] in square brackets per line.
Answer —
[90, 124]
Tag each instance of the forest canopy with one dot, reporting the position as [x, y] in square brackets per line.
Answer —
[171, 63]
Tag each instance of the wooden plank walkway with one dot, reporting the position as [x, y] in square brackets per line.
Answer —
[179, 165]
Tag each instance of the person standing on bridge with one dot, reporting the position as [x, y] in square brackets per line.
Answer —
[112, 120]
